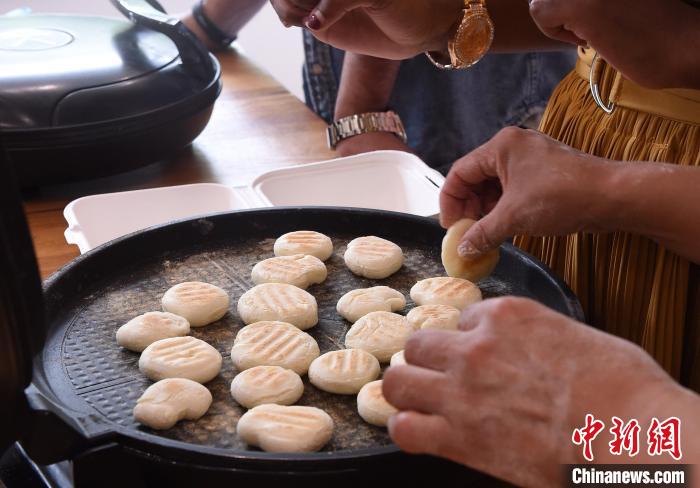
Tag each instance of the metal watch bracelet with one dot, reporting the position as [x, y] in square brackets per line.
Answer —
[357, 124]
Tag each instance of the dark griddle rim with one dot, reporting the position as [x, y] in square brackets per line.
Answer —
[62, 288]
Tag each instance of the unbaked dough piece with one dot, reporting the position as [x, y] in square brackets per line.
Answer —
[379, 333]
[443, 290]
[266, 384]
[443, 317]
[200, 303]
[458, 267]
[299, 270]
[279, 428]
[180, 357]
[397, 359]
[304, 242]
[358, 303]
[281, 302]
[372, 406]
[343, 372]
[373, 257]
[168, 401]
[271, 343]
[142, 331]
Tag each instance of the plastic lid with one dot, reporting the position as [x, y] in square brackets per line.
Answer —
[22, 324]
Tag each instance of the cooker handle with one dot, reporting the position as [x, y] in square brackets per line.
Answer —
[195, 57]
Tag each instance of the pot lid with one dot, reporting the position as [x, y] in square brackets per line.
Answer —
[22, 325]
[62, 70]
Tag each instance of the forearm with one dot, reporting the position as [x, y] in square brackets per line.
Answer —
[228, 15]
[670, 400]
[365, 85]
[660, 201]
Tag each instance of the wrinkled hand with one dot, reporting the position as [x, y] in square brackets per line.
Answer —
[632, 35]
[372, 141]
[391, 29]
[525, 183]
[504, 394]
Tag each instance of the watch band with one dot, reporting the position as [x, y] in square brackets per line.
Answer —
[216, 35]
[354, 125]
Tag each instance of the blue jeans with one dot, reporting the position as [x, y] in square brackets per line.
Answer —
[448, 113]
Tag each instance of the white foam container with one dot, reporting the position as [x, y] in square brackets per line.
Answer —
[385, 180]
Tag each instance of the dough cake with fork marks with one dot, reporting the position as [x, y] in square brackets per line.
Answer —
[271, 343]
[372, 406]
[299, 270]
[434, 317]
[343, 372]
[180, 357]
[379, 333]
[281, 302]
[266, 384]
[200, 303]
[357, 303]
[373, 257]
[278, 428]
[304, 242]
[455, 292]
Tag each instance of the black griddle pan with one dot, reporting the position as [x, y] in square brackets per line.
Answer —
[86, 381]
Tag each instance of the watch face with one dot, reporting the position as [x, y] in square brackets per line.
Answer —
[474, 36]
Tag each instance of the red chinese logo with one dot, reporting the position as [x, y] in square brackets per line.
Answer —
[665, 437]
[625, 437]
[662, 437]
[587, 434]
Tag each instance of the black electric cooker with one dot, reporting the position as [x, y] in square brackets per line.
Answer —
[85, 96]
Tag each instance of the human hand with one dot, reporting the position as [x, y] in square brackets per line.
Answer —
[391, 29]
[616, 30]
[525, 183]
[504, 394]
[371, 141]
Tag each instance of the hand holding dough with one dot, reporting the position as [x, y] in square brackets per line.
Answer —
[455, 265]
[168, 401]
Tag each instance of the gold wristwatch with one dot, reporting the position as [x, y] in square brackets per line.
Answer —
[471, 38]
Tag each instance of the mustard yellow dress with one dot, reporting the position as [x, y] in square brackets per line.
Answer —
[628, 285]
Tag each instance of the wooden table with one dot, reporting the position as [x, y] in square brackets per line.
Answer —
[256, 126]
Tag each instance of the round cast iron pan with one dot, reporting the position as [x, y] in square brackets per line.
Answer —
[94, 384]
